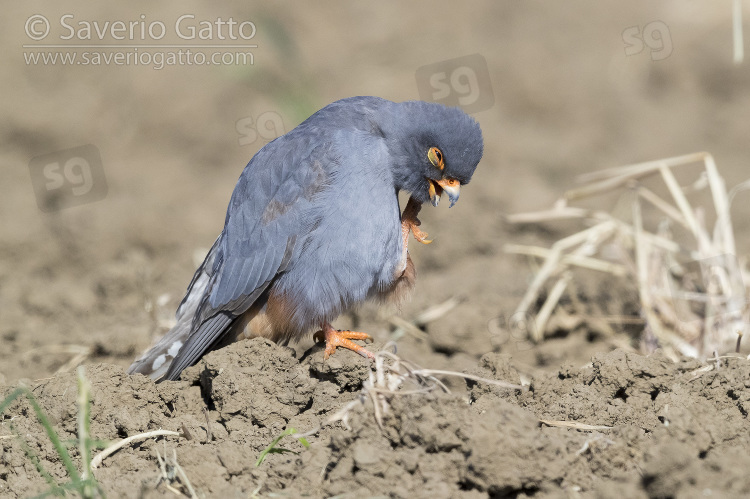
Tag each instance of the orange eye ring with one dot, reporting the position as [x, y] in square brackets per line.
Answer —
[435, 156]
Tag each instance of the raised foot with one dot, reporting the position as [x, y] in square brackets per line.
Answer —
[334, 338]
[419, 234]
[410, 222]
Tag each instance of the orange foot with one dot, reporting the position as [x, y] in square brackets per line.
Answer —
[334, 338]
[410, 222]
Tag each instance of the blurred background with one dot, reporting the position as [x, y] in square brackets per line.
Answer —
[98, 243]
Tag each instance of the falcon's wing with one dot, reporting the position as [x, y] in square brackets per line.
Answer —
[264, 217]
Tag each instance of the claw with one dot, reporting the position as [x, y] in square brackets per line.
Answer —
[420, 235]
[411, 223]
[334, 338]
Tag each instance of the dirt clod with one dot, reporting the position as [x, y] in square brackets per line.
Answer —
[485, 442]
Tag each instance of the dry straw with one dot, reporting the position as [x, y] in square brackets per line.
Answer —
[692, 291]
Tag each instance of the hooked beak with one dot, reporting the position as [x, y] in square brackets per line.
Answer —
[452, 187]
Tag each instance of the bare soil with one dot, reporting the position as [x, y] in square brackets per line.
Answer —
[661, 429]
[103, 279]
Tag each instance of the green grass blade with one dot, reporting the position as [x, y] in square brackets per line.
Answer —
[272, 449]
[10, 398]
[84, 422]
[31, 456]
[268, 449]
[89, 486]
[54, 438]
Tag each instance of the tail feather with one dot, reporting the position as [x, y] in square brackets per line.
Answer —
[155, 361]
[192, 335]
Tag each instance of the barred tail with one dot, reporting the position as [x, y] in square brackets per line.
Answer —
[156, 360]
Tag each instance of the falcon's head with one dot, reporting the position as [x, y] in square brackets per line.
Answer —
[434, 149]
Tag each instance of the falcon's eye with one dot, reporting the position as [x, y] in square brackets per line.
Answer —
[436, 157]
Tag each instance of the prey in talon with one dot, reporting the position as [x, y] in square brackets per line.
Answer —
[314, 227]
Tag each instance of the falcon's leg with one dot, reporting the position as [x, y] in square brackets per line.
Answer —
[334, 338]
[410, 222]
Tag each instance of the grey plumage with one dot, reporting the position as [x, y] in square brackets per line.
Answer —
[313, 226]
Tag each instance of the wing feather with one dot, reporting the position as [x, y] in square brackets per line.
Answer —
[257, 244]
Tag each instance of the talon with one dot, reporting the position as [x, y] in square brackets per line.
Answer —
[410, 222]
[334, 338]
[420, 235]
